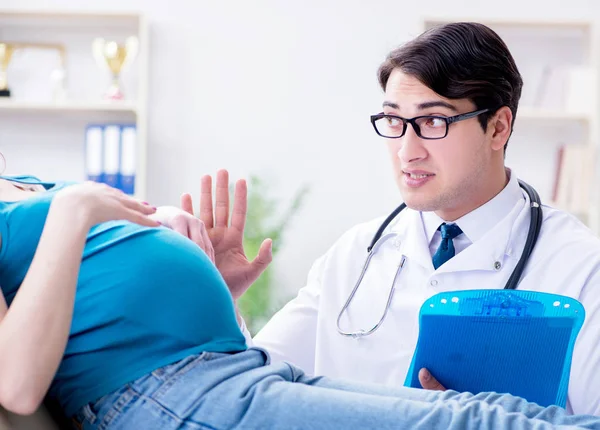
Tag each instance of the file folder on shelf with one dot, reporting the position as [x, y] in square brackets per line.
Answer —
[111, 155]
[93, 152]
[128, 159]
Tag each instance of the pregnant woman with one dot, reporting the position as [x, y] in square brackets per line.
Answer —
[128, 324]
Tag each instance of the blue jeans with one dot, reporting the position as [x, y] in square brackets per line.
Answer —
[243, 391]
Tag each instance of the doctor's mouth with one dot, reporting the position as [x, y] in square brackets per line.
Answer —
[417, 178]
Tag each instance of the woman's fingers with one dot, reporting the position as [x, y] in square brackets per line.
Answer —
[211, 250]
[132, 203]
[208, 248]
[179, 224]
[140, 218]
[195, 231]
[199, 235]
[136, 211]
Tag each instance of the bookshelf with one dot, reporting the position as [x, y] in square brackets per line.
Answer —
[69, 106]
[558, 111]
[541, 115]
[43, 134]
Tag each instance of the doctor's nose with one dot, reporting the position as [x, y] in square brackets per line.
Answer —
[411, 146]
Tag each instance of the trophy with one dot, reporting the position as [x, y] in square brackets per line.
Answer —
[6, 52]
[115, 57]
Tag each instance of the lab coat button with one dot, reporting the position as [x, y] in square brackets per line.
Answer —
[497, 265]
[433, 282]
[397, 242]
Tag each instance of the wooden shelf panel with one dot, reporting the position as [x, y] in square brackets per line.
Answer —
[551, 115]
[68, 106]
[41, 18]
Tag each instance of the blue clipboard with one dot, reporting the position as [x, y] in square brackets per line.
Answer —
[504, 341]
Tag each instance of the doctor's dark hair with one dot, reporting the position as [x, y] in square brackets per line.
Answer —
[461, 60]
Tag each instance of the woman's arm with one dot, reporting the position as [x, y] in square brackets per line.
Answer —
[35, 329]
[34, 332]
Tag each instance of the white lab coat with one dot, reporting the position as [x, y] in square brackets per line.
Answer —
[566, 260]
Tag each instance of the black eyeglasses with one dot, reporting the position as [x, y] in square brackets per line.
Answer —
[426, 126]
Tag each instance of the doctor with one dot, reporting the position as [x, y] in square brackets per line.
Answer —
[449, 106]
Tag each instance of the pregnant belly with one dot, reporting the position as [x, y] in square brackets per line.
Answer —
[159, 281]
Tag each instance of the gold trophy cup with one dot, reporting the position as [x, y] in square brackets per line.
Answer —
[115, 57]
[6, 52]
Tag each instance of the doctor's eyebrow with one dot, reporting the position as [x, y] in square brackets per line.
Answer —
[437, 103]
[390, 104]
[425, 105]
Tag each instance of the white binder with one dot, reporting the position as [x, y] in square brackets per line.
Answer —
[93, 152]
[128, 158]
[111, 156]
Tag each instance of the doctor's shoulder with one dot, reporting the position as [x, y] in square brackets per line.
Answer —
[565, 240]
[562, 228]
[568, 258]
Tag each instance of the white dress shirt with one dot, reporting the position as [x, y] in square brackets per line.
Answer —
[475, 224]
[566, 260]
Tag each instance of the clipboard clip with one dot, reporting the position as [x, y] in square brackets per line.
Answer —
[503, 305]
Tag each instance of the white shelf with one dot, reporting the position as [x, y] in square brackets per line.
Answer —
[494, 22]
[69, 14]
[551, 115]
[33, 18]
[68, 106]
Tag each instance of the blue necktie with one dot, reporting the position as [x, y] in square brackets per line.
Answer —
[446, 250]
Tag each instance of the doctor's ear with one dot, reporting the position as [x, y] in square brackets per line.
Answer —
[500, 126]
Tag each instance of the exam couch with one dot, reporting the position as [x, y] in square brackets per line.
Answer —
[40, 420]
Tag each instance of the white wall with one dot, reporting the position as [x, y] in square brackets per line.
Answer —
[284, 89]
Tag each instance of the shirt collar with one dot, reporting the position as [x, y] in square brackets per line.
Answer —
[478, 222]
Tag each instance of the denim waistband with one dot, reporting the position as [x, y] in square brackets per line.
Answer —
[155, 380]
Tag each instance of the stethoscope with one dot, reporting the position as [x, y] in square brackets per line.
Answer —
[534, 230]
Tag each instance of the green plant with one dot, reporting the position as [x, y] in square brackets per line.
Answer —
[264, 220]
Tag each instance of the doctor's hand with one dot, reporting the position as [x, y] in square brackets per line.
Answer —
[227, 238]
[429, 382]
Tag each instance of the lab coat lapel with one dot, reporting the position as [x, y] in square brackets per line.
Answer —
[489, 252]
[415, 245]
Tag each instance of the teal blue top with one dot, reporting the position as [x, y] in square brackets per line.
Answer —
[146, 297]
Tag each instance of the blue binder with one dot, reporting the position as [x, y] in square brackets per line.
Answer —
[504, 341]
[128, 158]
